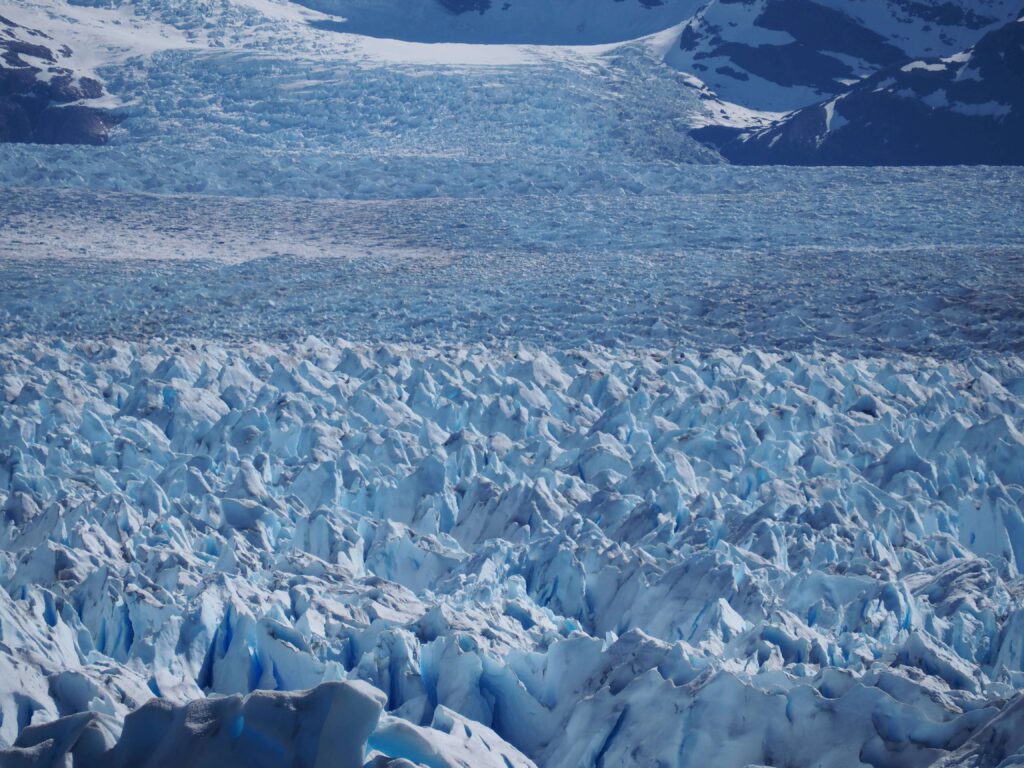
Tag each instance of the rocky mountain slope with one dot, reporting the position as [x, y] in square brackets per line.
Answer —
[786, 54]
[43, 99]
[964, 108]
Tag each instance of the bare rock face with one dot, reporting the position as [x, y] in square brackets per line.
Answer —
[42, 100]
[780, 55]
[966, 108]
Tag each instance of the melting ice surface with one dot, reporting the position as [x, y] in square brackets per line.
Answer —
[488, 440]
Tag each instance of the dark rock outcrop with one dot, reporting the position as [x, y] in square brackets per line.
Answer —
[965, 109]
[781, 55]
[41, 100]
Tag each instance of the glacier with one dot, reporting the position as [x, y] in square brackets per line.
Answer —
[561, 545]
[442, 401]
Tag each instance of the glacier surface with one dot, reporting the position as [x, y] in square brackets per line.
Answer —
[604, 557]
[373, 403]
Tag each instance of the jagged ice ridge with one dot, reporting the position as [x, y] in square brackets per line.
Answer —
[604, 558]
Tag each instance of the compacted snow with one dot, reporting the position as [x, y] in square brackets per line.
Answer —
[366, 402]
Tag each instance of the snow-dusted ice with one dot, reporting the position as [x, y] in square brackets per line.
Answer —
[375, 403]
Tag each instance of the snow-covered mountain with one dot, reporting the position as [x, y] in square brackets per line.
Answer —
[176, 71]
[786, 54]
[551, 22]
[43, 97]
[964, 108]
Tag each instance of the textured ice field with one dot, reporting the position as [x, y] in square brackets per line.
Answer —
[584, 479]
[606, 558]
[333, 124]
[919, 261]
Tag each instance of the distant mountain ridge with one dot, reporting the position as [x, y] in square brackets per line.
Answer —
[786, 54]
[543, 22]
[966, 108]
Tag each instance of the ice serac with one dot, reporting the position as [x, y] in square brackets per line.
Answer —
[999, 743]
[326, 727]
[573, 557]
